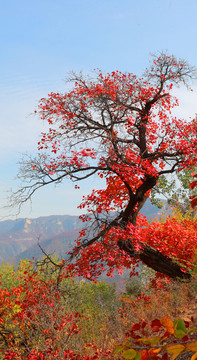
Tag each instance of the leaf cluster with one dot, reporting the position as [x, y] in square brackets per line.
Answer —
[170, 338]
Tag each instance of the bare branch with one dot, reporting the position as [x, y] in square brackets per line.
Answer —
[119, 127]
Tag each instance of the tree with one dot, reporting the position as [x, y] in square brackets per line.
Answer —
[119, 127]
[177, 191]
[193, 185]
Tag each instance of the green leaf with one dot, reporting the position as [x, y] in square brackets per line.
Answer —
[129, 354]
[119, 349]
[152, 341]
[138, 356]
[155, 340]
[179, 334]
[146, 341]
[191, 330]
[179, 325]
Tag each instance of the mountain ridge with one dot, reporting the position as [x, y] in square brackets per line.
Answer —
[55, 233]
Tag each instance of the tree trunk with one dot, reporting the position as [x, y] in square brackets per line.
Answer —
[155, 260]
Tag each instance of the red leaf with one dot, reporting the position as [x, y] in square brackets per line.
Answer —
[143, 324]
[136, 326]
[193, 184]
[194, 202]
[155, 325]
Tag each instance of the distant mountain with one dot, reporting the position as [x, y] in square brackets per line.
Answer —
[17, 236]
[60, 245]
[56, 234]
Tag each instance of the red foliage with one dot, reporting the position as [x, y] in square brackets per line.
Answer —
[172, 238]
[34, 322]
[170, 338]
[119, 128]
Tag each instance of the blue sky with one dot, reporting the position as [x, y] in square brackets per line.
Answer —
[42, 40]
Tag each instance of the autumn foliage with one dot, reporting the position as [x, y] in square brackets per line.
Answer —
[40, 321]
[119, 128]
[172, 237]
[35, 323]
[169, 339]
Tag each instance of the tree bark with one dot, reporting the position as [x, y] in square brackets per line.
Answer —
[155, 260]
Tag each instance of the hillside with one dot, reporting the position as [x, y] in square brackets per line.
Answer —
[21, 235]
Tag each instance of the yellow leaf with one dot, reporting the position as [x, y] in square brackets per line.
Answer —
[194, 357]
[157, 351]
[168, 324]
[192, 346]
[175, 350]
[129, 354]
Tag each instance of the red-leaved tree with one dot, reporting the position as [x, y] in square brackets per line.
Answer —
[118, 127]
